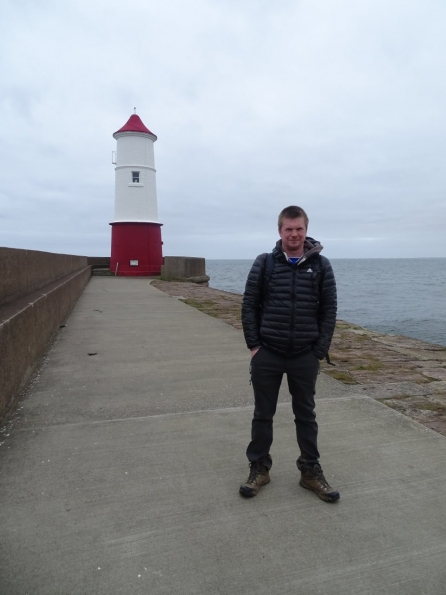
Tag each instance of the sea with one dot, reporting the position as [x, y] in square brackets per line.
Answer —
[398, 296]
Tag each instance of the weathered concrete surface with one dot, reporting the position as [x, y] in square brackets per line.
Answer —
[110, 487]
[25, 271]
[390, 368]
[98, 261]
[182, 267]
[27, 325]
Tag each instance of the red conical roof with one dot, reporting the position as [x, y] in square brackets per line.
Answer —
[134, 124]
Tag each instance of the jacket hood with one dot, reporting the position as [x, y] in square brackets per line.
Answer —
[311, 248]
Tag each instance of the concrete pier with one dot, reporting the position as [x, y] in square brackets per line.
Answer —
[120, 470]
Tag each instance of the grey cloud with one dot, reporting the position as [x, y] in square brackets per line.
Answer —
[336, 106]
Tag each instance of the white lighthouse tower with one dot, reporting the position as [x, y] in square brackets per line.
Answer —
[136, 246]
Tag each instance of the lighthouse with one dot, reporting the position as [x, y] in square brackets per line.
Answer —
[136, 246]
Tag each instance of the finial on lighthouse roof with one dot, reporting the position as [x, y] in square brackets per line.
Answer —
[135, 124]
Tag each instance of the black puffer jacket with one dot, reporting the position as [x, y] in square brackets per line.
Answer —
[297, 310]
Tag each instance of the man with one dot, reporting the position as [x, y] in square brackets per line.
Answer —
[288, 315]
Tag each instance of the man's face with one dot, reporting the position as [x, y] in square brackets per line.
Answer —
[293, 233]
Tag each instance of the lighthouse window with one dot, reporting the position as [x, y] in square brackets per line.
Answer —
[135, 177]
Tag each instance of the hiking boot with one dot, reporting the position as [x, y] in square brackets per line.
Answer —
[313, 479]
[258, 477]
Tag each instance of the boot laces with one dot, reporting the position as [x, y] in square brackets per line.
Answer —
[255, 471]
[319, 475]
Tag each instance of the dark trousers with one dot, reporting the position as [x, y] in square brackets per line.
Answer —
[267, 370]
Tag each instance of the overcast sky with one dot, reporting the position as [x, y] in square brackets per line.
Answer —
[335, 105]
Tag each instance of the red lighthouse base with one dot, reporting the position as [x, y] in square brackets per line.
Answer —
[136, 249]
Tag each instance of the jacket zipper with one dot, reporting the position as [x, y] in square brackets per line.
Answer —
[293, 303]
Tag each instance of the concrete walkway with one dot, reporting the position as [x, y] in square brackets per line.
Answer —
[120, 471]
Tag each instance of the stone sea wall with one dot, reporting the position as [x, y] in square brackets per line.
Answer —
[37, 292]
